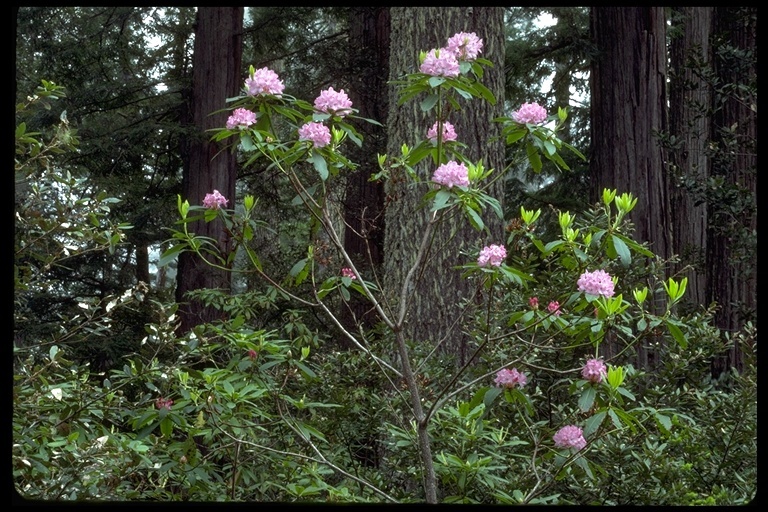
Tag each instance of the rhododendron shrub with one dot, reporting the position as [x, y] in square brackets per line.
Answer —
[444, 419]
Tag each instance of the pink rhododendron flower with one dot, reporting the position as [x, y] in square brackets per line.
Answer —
[264, 81]
[598, 282]
[492, 255]
[554, 308]
[531, 113]
[449, 133]
[163, 403]
[241, 117]
[316, 132]
[332, 102]
[594, 370]
[252, 354]
[465, 46]
[570, 436]
[440, 62]
[510, 378]
[347, 272]
[533, 302]
[452, 174]
[215, 200]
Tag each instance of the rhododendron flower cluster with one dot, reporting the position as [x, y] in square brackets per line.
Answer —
[315, 132]
[598, 282]
[163, 403]
[241, 117]
[264, 81]
[533, 302]
[492, 255]
[215, 200]
[332, 102]
[465, 46]
[347, 272]
[252, 354]
[452, 174]
[554, 308]
[570, 436]
[594, 370]
[510, 378]
[440, 62]
[449, 133]
[531, 113]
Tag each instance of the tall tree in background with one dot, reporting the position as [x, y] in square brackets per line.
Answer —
[364, 199]
[690, 98]
[629, 109]
[731, 253]
[439, 288]
[216, 76]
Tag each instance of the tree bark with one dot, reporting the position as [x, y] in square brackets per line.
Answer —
[690, 97]
[732, 244]
[364, 199]
[215, 77]
[439, 288]
[628, 80]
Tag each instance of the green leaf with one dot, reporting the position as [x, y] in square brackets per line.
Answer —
[321, 166]
[635, 246]
[584, 464]
[664, 421]
[625, 418]
[677, 334]
[478, 397]
[309, 432]
[246, 142]
[170, 255]
[299, 271]
[297, 267]
[622, 250]
[614, 418]
[485, 93]
[558, 161]
[515, 135]
[551, 245]
[533, 157]
[625, 392]
[474, 218]
[228, 388]
[429, 102]
[549, 147]
[587, 398]
[441, 199]
[144, 433]
[166, 426]
[305, 369]
[593, 423]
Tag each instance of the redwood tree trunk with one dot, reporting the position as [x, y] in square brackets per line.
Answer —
[439, 288]
[689, 122]
[364, 199]
[628, 80]
[215, 77]
[732, 243]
